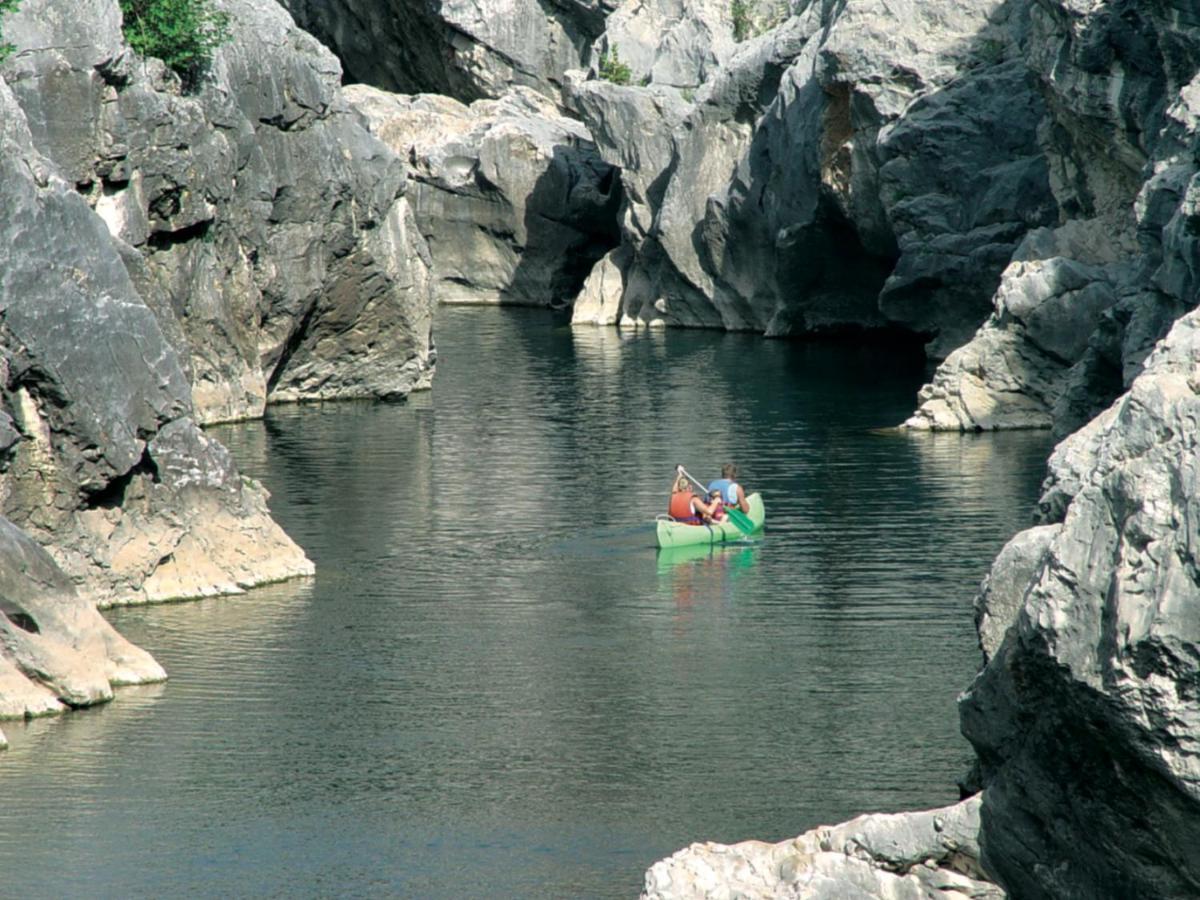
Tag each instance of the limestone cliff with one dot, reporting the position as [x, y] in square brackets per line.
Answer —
[468, 49]
[925, 167]
[1085, 720]
[173, 257]
[1084, 300]
[512, 197]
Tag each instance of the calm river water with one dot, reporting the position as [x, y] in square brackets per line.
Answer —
[495, 686]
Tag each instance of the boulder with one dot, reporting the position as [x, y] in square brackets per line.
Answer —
[514, 201]
[56, 650]
[1084, 720]
[907, 856]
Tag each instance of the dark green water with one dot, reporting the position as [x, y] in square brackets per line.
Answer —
[495, 687]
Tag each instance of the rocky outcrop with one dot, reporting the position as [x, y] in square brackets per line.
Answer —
[243, 242]
[922, 856]
[1085, 721]
[679, 43]
[513, 199]
[276, 247]
[1082, 304]
[468, 49]
[56, 650]
[807, 188]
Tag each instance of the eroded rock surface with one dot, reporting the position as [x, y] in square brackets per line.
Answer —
[56, 650]
[858, 166]
[274, 242]
[1082, 303]
[512, 197]
[1085, 721]
[909, 856]
[182, 256]
[468, 49]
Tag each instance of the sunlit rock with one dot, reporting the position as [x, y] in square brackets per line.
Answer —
[56, 650]
[920, 855]
[512, 197]
[1084, 720]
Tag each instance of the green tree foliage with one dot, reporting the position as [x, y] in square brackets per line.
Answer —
[6, 6]
[182, 33]
[612, 69]
[739, 11]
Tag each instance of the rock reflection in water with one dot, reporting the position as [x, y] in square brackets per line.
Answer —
[496, 686]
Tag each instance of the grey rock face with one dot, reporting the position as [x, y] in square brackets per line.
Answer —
[679, 43]
[109, 471]
[1002, 594]
[1082, 304]
[922, 856]
[808, 188]
[513, 199]
[468, 49]
[271, 233]
[1083, 721]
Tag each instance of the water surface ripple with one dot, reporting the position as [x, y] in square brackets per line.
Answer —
[495, 686]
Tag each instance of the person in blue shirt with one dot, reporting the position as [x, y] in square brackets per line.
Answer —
[731, 492]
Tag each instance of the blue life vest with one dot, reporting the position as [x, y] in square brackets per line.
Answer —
[727, 488]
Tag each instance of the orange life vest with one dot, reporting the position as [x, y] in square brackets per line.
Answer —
[680, 507]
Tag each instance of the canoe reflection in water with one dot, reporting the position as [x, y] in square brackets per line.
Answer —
[696, 575]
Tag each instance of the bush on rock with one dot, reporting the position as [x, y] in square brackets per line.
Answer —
[182, 33]
[6, 6]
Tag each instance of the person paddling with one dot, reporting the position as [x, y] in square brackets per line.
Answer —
[730, 491]
[686, 507]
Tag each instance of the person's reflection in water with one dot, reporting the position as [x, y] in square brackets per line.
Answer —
[700, 574]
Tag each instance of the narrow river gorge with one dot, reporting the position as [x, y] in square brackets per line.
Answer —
[495, 685]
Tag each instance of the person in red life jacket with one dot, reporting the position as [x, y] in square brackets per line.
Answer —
[686, 507]
[730, 491]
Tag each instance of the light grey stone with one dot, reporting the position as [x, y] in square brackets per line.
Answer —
[921, 855]
[56, 650]
[514, 201]
[1084, 720]
[1002, 594]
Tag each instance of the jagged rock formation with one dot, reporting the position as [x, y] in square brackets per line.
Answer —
[244, 243]
[277, 249]
[922, 856]
[56, 650]
[468, 49]
[679, 43]
[512, 198]
[1085, 721]
[1083, 303]
[103, 461]
[173, 257]
[808, 187]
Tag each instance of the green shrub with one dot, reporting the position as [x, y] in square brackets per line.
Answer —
[182, 33]
[6, 6]
[612, 69]
[739, 12]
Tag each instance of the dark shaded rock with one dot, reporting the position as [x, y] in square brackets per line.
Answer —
[464, 48]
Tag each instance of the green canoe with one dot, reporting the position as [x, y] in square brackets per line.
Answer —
[676, 534]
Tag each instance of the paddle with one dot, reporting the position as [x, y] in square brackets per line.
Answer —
[743, 522]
